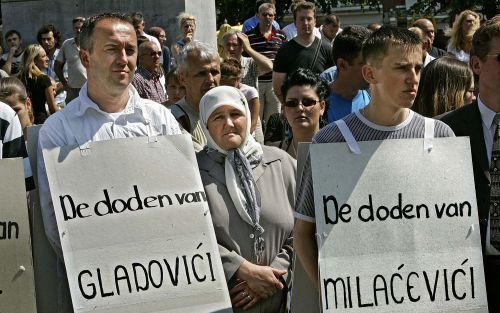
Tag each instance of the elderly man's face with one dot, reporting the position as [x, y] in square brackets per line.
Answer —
[150, 57]
[200, 77]
[266, 17]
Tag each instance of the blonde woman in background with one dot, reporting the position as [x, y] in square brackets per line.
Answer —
[38, 85]
[464, 27]
[187, 25]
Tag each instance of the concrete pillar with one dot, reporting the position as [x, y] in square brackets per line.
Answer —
[28, 16]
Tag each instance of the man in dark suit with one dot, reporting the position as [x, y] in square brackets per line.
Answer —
[476, 121]
[428, 28]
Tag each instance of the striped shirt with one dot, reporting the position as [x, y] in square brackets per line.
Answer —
[267, 46]
[362, 130]
[12, 141]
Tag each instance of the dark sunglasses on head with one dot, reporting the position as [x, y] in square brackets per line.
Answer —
[494, 55]
[307, 102]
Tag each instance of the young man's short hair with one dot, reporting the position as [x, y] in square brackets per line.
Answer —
[377, 45]
[347, 45]
[303, 6]
[13, 32]
[481, 41]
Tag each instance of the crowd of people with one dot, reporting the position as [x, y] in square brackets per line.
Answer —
[247, 107]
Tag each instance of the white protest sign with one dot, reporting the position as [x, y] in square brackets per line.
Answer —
[135, 227]
[17, 289]
[398, 227]
[44, 257]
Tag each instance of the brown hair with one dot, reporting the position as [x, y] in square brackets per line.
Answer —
[230, 67]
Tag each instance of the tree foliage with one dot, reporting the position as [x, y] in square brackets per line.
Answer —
[237, 11]
[434, 7]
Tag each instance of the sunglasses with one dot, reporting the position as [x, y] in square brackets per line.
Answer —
[494, 55]
[268, 14]
[307, 102]
[153, 53]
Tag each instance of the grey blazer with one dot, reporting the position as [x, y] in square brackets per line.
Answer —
[275, 177]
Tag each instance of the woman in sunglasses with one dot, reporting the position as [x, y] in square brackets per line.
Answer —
[305, 97]
[251, 193]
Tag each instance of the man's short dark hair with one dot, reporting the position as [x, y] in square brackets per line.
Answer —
[306, 77]
[12, 32]
[137, 18]
[45, 29]
[481, 41]
[377, 45]
[348, 44]
[331, 20]
[305, 5]
[78, 19]
[89, 26]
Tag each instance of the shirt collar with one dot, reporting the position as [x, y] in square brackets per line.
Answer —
[133, 105]
[487, 114]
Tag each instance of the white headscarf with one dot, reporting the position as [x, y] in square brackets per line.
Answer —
[238, 173]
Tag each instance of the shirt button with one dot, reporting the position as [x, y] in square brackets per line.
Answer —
[251, 236]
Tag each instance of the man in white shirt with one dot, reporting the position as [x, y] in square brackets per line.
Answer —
[477, 121]
[108, 106]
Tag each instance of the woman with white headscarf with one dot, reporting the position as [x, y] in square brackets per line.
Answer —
[251, 192]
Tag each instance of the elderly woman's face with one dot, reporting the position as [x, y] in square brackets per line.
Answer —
[303, 108]
[227, 126]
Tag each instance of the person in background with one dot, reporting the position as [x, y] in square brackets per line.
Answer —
[426, 44]
[305, 97]
[149, 73]
[428, 27]
[13, 92]
[234, 43]
[230, 75]
[11, 61]
[466, 23]
[161, 35]
[187, 26]
[290, 30]
[330, 28]
[12, 143]
[252, 22]
[70, 55]
[199, 71]
[139, 25]
[38, 84]
[348, 92]
[305, 50]
[373, 26]
[267, 40]
[445, 84]
[479, 122]
[251, 192]
[50, 39]
[175, 91]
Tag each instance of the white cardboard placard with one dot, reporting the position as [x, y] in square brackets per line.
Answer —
[135, 227]
[17, 288]
[397, 227]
